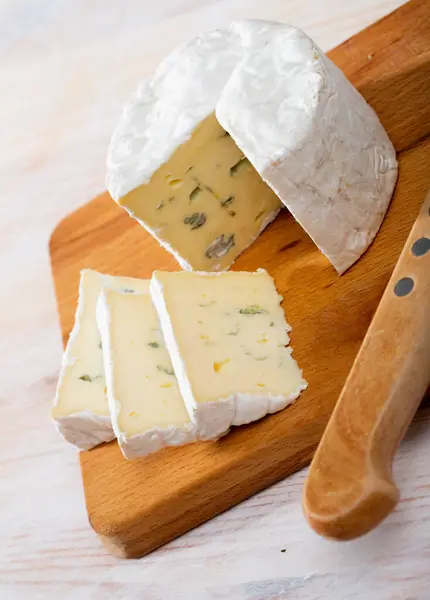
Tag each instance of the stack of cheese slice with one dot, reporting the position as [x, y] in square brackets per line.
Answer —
[236, 124]
[175, 360]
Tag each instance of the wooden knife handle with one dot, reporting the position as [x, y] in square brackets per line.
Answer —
[349, 488]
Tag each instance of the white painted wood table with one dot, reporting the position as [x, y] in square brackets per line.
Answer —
[66, 68]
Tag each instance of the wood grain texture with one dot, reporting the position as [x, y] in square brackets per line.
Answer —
[350, 487]
[136, 506]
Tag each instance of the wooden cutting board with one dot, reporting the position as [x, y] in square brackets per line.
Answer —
[135, 506]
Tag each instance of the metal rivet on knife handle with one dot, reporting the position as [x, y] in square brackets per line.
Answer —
[404, 286]
[421, 246]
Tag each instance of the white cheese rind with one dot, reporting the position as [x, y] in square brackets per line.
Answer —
[313, 138]
[85, 429]
[154, 438]
[306, 130]
[215, 418]
[149, 442]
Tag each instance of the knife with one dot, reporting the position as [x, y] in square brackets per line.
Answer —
[349, 488]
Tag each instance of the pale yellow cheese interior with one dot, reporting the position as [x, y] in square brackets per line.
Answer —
[231, 333]
[144, 384]
[207, 202]
[82, 381]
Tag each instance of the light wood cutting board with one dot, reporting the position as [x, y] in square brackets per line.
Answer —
[135, 506]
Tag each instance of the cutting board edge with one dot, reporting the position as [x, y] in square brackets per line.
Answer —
[63, 223]
[129, 539]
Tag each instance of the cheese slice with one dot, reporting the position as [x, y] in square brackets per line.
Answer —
[228, 342]
[147, 409]
[254, 102]
[80, 409]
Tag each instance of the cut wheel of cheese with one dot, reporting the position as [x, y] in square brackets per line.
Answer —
[80, 410]
[235, 114]
[147, 409]
[228, 343]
